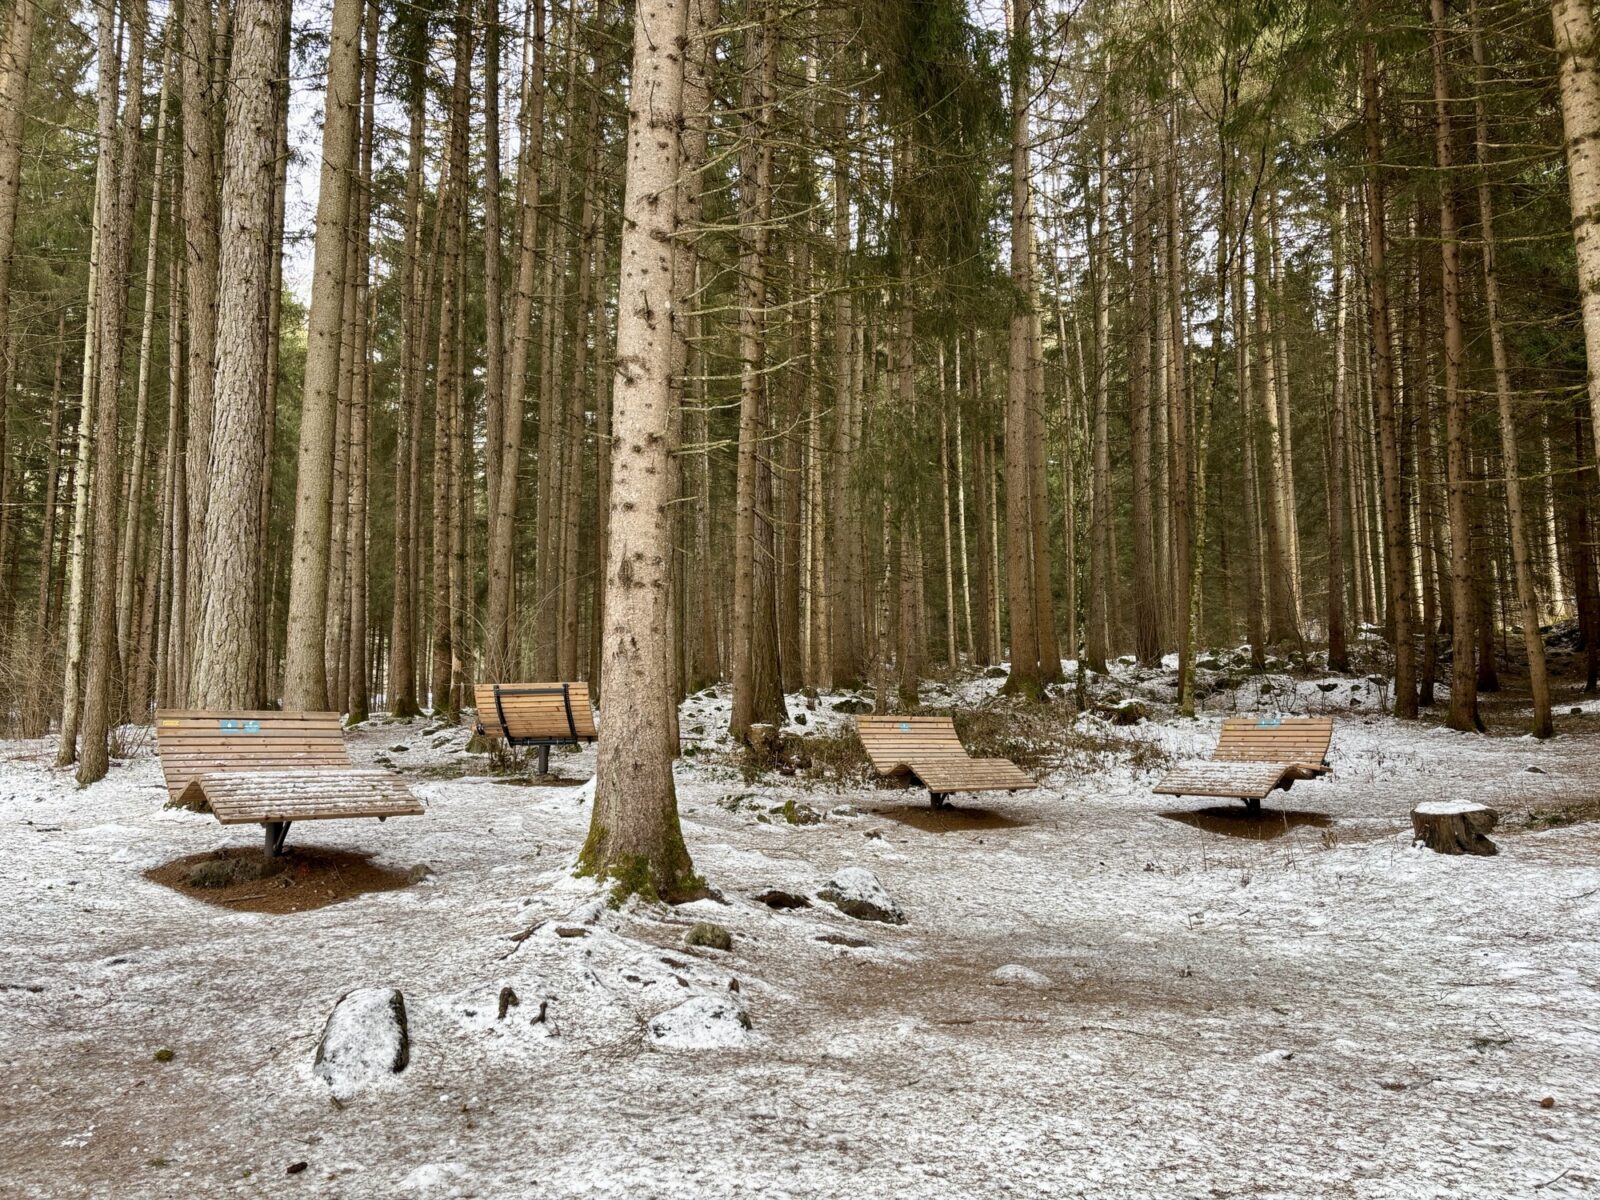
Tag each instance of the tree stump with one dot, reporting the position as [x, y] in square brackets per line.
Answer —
[1455, 826]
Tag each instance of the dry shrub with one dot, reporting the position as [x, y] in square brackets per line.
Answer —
[1049, 737]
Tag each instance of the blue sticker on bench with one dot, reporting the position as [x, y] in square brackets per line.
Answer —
[905, 726]
[1269, 722]
[234, 725]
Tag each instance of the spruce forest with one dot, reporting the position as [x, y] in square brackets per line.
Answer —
[1075, 378]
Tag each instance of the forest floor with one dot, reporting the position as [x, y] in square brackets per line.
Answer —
[1206, 1005]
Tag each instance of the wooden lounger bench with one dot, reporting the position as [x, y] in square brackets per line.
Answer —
[272, 768]
[536, 714]
[1255, 756]
[928, 750]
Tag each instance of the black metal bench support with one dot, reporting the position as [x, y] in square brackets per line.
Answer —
[275, 833]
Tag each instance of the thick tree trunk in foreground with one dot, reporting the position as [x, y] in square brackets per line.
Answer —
[226, 669]
[634, 836]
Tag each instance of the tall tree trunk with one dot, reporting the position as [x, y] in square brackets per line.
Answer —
[1338, 649]
[200, 231]
[1578, 52]
[1516, 516]
[1397, 550]
[500, 631]
[1463, 713]
[1097, 634]
[101, 669]
[1024, 679]
[757, 695]
[358, 677]
[305, 670]
[1146, 624]
[634, 836]
[227, 673]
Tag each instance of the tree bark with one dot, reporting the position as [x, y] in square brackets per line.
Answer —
[1463, 713]
[226, 672]
[305, 669]
[1396, 543]
[634, 835]
[1516, 514]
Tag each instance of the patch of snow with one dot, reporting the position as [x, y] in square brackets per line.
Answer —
[1017, 973]
[701, 1023]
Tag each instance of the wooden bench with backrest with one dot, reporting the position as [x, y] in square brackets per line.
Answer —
[928, 750]
[536, 714]
[1254, 757]
[272, 769]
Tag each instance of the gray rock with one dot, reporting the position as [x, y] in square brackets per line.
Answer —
[856, 892]
[419, 872]
[710, 935]
[365, 1040]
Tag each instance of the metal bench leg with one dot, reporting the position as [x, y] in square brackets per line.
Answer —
[544, 759]
[937, 798]
[274, 833]
[1252, 805]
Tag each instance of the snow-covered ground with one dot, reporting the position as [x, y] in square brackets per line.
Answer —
[1102, 995]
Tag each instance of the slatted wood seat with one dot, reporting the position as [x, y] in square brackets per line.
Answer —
[536, 714]
[1254, 757]
[928, 750]
[272, 769]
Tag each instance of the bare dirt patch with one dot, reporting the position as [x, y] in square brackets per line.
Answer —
[303, 878]
[949, 819]
[1240, 822]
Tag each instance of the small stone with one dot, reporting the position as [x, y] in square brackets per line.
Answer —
[843, 939]
[852, 705]
[163, 1055]
[709, 935]
[419, 872]
[733, 985]
[296, 1167]
[1574, 712]
[1548, 1102]
[571, 931]
[773, 898]
[400, 748]
[1534, 770]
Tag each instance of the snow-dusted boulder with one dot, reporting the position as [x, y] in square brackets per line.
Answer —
[856, 892]
[366, 1039]
[1016, 973]
[701, 1023]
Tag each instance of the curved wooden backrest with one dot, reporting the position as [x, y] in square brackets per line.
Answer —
[521, 712]
[1302, 740]
[195, 743]
[893, 742]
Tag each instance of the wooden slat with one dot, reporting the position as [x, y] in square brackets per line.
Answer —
[929, 749]
[243, 797]
[1239, 781]
[193, 743]
[535, 718]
